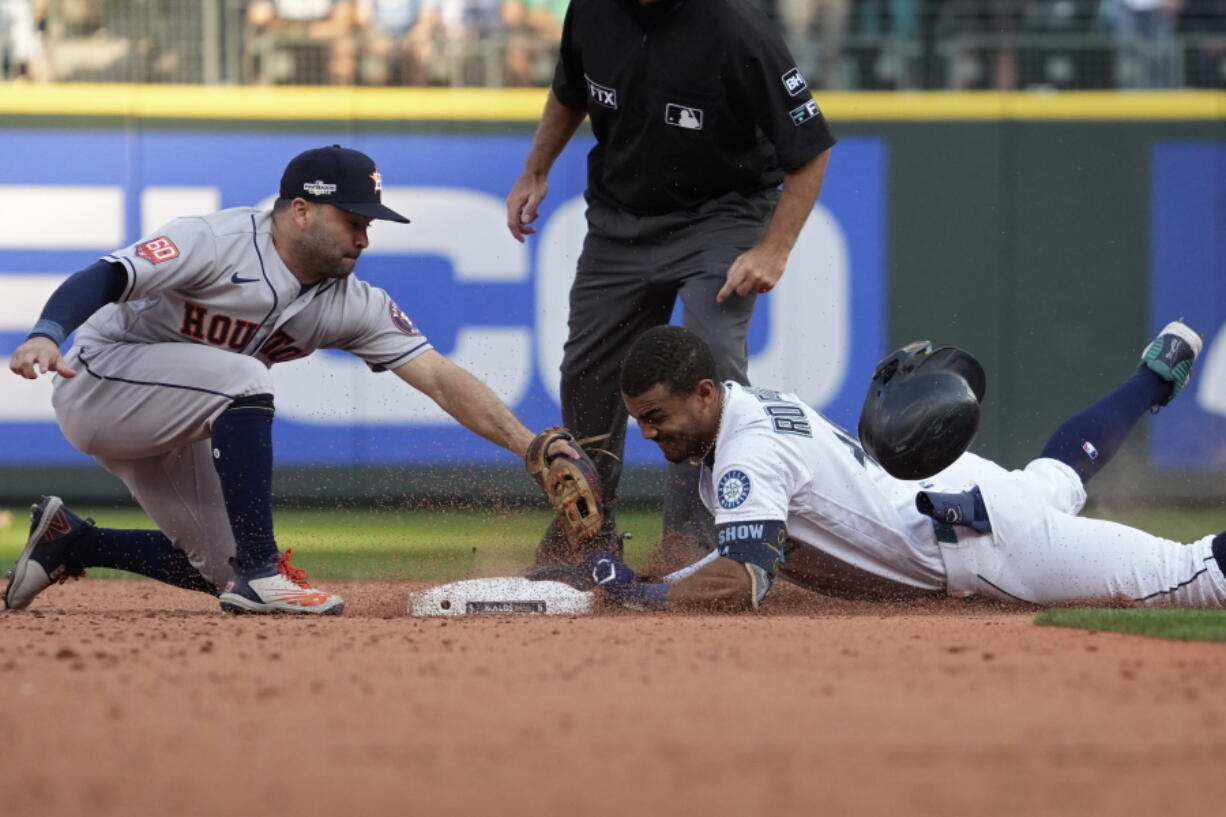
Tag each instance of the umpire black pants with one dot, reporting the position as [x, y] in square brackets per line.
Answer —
[630, 273]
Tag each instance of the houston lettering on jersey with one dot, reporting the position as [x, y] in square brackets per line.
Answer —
[281, 347]
[216, 329]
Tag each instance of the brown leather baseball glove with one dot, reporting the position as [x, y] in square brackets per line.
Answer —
[570, 482]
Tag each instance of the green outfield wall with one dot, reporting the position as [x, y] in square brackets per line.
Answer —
[1044, 232]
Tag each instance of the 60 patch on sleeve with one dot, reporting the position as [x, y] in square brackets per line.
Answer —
[157, 250]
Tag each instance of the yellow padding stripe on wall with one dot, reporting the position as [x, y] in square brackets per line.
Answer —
[525, 104]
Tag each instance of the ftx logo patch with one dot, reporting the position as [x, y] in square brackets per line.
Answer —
[793, 82]
[601, 95]
[803, 113]
[682, 116]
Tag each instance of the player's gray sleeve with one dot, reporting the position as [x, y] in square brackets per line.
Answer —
[373, 327]
[179, 255]
[83, 294]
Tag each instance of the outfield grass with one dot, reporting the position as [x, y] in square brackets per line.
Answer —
[447, 544]
[1183, 625]
[384, 544]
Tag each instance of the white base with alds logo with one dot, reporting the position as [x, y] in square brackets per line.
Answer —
[500, 597]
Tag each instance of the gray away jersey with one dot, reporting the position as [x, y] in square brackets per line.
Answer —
[217, 280]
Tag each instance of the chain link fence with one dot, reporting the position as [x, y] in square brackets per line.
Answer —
[840, 44]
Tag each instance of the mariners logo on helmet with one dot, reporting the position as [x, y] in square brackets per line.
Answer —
[733, 489]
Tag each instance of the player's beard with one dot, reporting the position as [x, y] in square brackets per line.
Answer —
[682, 446]
[321, 257]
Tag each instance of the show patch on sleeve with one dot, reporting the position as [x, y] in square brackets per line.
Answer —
[401, 320]
[733, 489]
[157, 250]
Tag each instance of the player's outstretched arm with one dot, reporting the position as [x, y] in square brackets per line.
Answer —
[79, 296]
[721, 585]
[558, 125]
[759, 268]
[467, 399]
[713, 584]
[39, 355]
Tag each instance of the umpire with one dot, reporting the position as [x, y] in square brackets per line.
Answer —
[699, 113]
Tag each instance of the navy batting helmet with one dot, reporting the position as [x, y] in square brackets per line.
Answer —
[922, 409]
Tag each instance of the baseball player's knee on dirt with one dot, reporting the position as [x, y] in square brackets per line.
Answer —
[148, 553]
[242, 455]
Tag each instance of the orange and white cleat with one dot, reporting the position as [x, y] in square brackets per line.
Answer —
[281, 588]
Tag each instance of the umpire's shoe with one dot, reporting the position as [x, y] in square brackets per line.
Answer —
[44, 561]
[279, 588]
[1171, 354]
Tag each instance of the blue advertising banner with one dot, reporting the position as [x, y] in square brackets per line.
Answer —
[1187, 260]
[495, 306]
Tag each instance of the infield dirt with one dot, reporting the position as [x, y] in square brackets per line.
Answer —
[129, 698]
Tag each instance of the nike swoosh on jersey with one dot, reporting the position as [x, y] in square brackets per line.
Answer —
[238, 279]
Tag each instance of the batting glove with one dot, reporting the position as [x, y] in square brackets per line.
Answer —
[617, 581]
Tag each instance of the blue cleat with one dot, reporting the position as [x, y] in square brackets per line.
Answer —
[1171, 354]
[44, 561]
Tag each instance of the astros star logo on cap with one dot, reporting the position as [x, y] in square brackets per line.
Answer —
[378, 177]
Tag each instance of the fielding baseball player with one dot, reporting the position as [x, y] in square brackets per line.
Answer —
[168, 384]
[796, 496]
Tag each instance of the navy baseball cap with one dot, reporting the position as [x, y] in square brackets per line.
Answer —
[339, 176]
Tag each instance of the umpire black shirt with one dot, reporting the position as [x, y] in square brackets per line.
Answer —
[689, 100]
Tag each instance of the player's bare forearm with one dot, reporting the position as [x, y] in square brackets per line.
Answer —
[800, 191]
[722, 585]
[39, 355]
[467, 399]
[558, 125]
[759, 269]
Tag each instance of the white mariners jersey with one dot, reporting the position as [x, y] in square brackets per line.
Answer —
[218, 280]
[776, 459]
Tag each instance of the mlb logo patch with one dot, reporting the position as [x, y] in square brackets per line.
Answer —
[157, 250]
[606, 97]
[1090, 450]
[803, 113]
[793, 82]
[683, 116]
